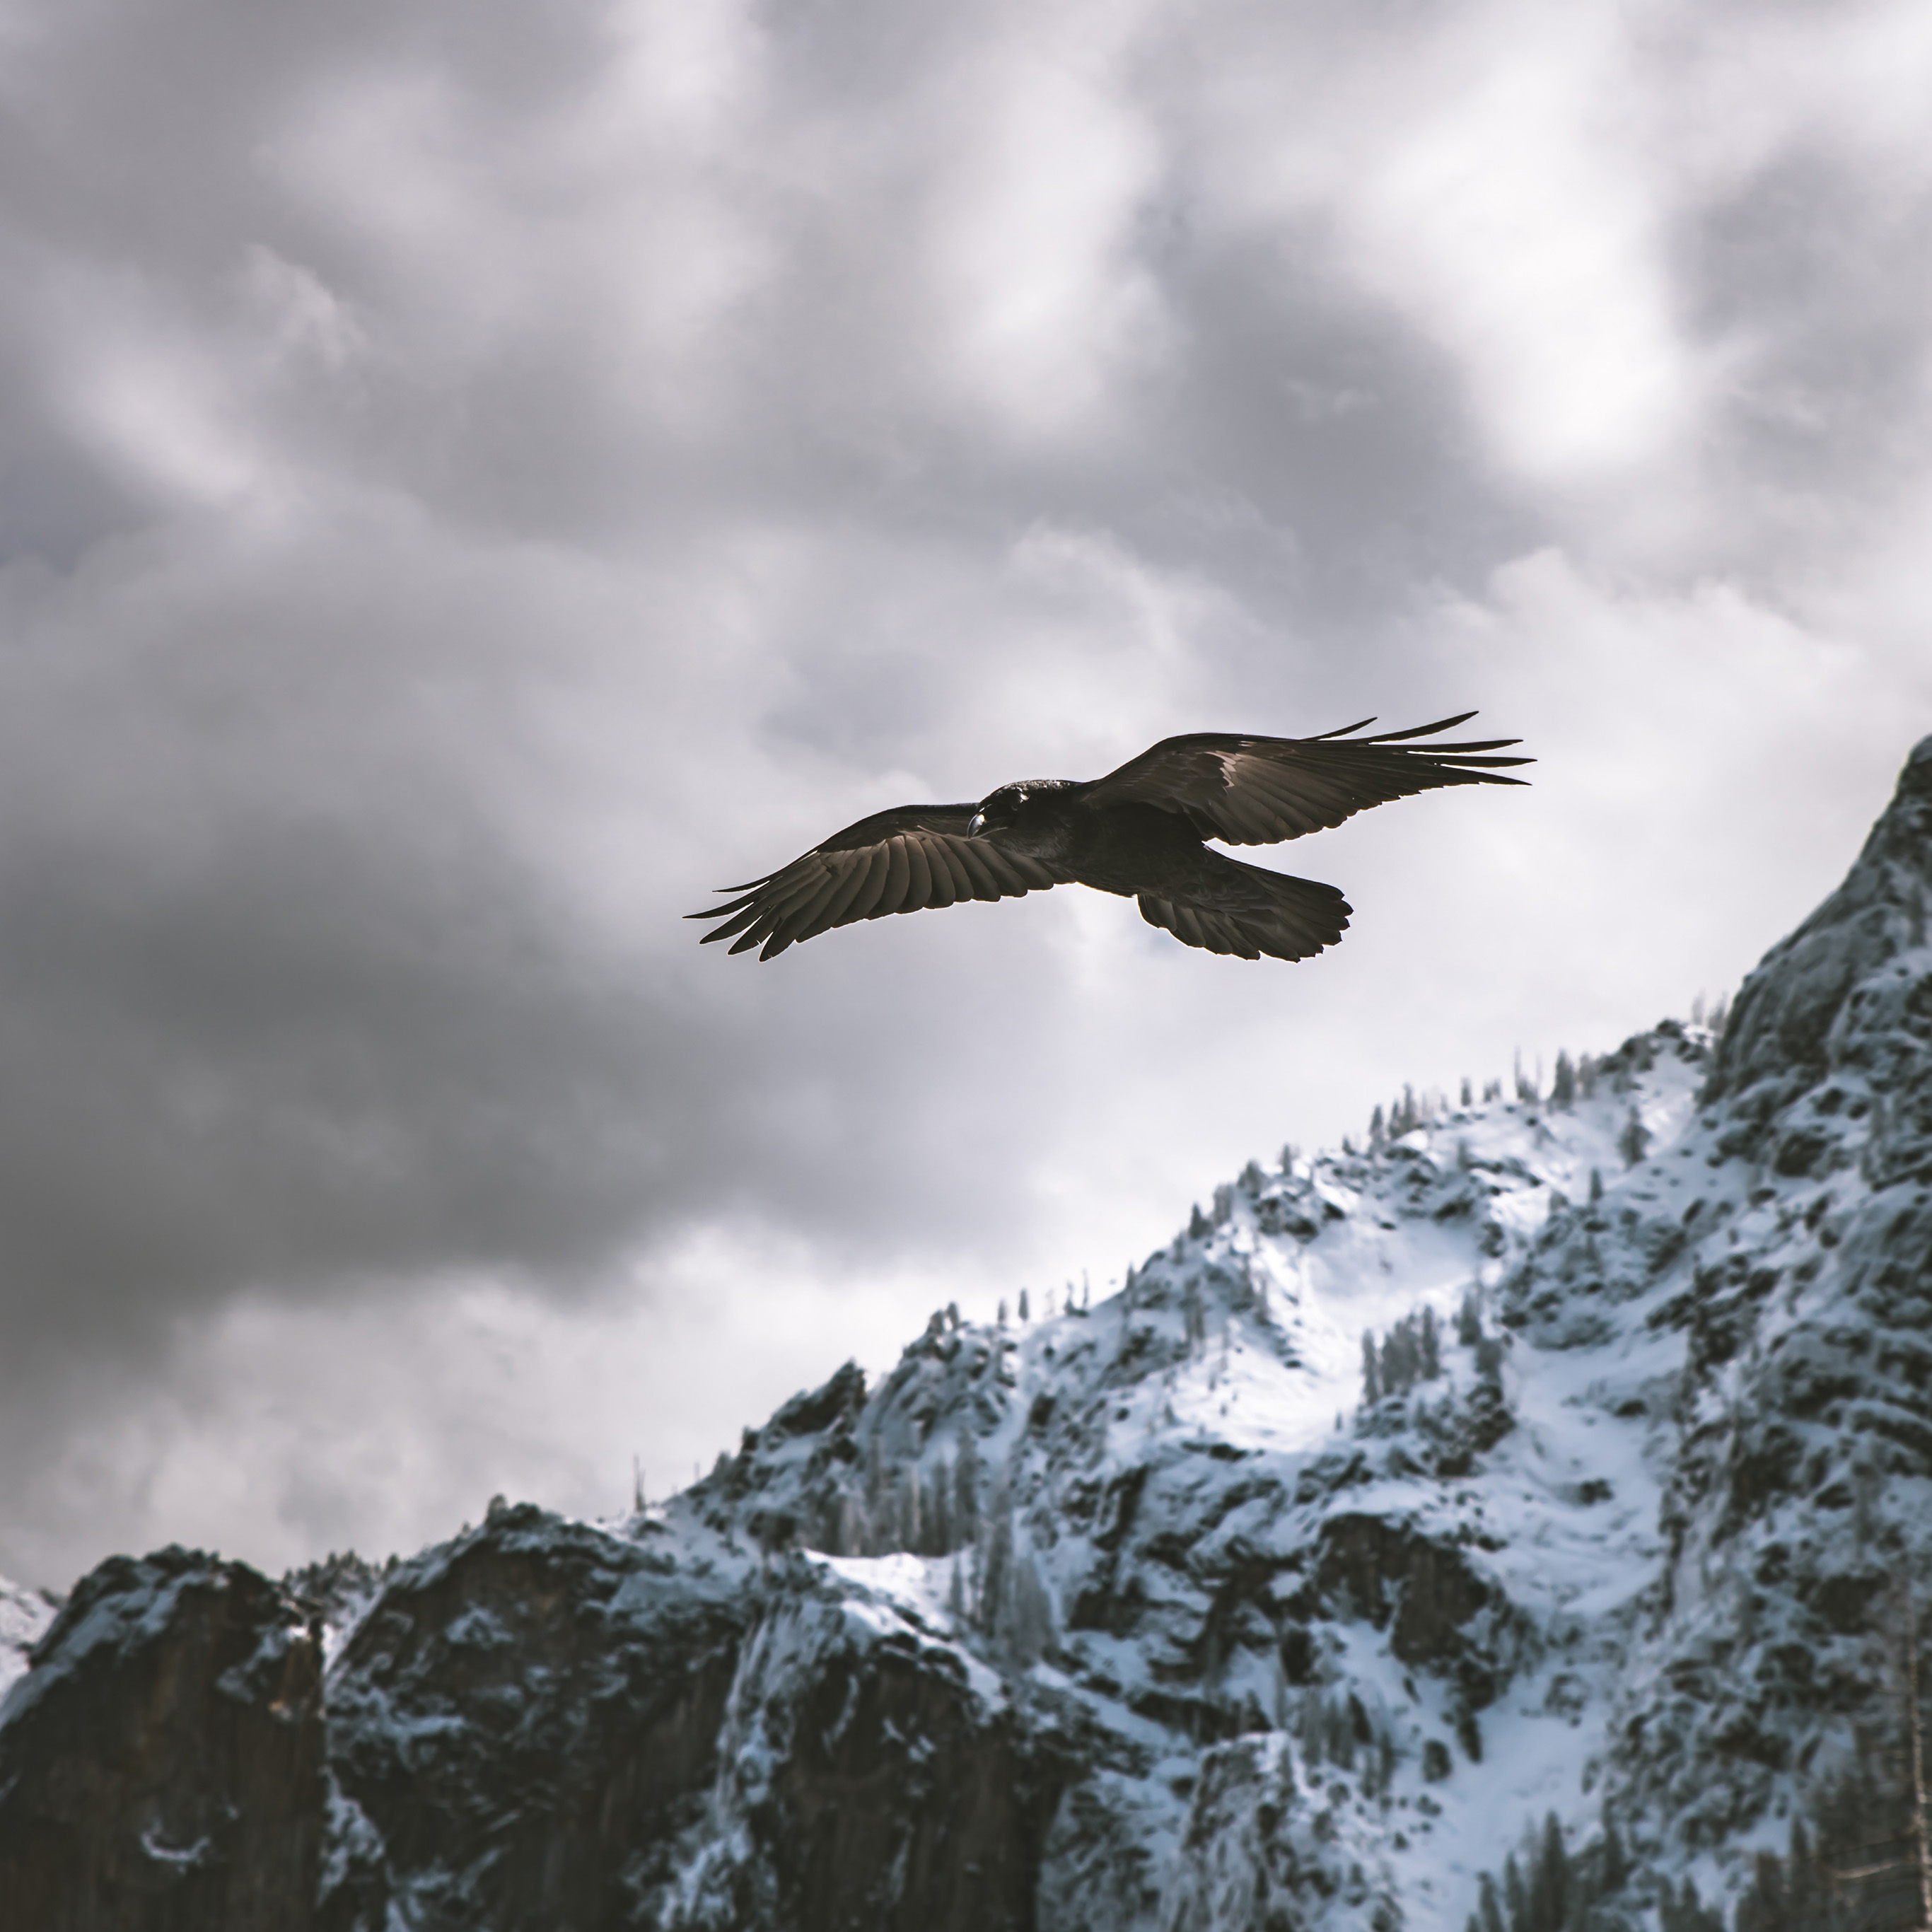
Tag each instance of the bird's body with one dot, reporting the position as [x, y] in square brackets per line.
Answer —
[1139, 832]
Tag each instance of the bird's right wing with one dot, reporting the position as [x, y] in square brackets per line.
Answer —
[903, 860]
[1255, 791]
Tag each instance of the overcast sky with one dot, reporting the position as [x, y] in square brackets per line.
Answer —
[473, 479]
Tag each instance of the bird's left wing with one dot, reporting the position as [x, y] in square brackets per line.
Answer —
[1255, 791]
[903, 860]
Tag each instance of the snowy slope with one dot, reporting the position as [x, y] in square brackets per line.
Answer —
[1222, 1393]
[25, 1615]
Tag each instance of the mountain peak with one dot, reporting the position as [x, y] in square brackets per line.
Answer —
[1832, 999]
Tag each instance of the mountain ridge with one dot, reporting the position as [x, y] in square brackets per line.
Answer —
[1168, 1612]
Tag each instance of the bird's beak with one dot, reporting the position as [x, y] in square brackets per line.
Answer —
[975, 825]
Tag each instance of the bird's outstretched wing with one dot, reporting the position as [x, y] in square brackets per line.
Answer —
[1229, 906]
[1255, 791]
[903, 860]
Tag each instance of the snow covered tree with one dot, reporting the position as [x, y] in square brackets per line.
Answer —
[1490, 1911]
[912, 1530]
[1026, 1622]
[966, 1491]
[1198, 1225]
[1514, 1897]
[1431, 1348]
[1550, 1885]
[940, 1541]
[1563, 1082]
[1194, 1313]
[1633, 1142]
[1468, 1099]
[1378, 1138]
[1371, 1385]
[1002, 1311]
[1586, 1077]
[995, 1554]
[1024, 1317]
[1469, 1321]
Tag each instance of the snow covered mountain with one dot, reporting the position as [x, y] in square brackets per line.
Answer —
[1558, 1601]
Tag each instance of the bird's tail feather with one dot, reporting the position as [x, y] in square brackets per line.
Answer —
[1249, 911]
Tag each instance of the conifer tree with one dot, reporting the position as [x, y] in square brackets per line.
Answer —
[1563, 1082]
[996, 1555]
[939, 1514]
[1633, 1142]
[1468, 1099]
[1378, 1138]
[1431, 1362]
[1490, 1909]
[1514, 1897]
[1024, 1317]
[1615, 1866]
[966, 1491]
[912, 1530]
[1549, 1888]
[1371, 1385]
[1469, 1321]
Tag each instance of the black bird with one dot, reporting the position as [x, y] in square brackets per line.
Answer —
[1138, 832]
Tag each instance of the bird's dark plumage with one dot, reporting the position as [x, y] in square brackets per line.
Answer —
[1138, 832]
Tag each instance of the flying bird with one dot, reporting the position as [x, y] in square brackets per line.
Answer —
[1138, 832]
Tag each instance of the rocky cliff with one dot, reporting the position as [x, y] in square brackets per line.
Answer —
[1520, 1514]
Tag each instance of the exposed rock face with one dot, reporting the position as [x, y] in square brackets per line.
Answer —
[1161, 1617]
[161, 1764]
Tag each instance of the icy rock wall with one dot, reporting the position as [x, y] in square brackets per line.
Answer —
[1801, 1497]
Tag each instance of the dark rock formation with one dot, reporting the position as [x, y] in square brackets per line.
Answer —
[161, 1765]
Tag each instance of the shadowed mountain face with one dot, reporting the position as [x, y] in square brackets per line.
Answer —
[1190, 1610]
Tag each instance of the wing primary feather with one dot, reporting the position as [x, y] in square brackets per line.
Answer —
[1416, 730]
[725, 931]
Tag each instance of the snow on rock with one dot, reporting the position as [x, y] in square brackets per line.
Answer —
[161, 1762]
[25, 1615]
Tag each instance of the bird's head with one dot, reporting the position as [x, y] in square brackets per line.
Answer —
[1000, 811]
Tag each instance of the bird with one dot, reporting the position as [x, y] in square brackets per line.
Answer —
[1140, 831]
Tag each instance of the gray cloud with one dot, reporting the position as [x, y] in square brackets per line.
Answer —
[470, 487]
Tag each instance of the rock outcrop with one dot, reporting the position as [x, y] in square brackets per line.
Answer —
[161, 1765]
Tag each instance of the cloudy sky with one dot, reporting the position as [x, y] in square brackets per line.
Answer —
[473, 479]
